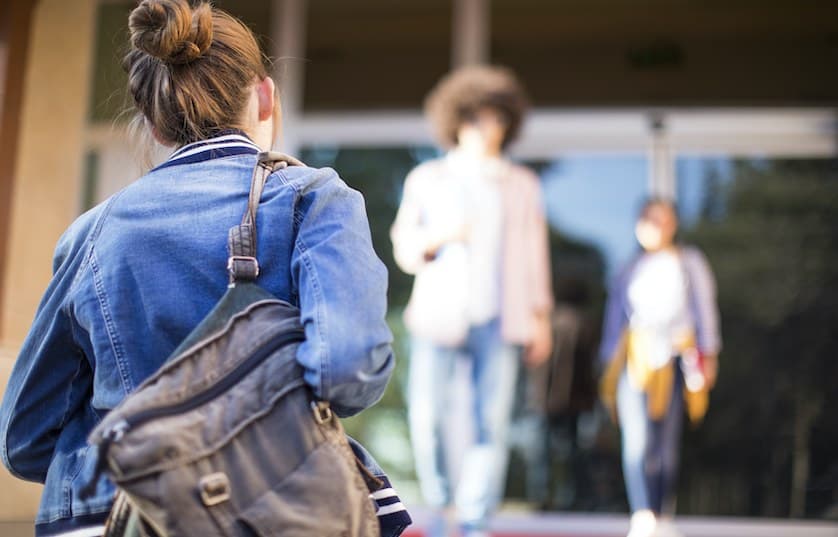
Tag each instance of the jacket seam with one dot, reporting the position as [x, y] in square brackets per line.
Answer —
[89, 242]
[55, 516]
[100, 222]
[8, 463]
[113, 337]
[320, 315]
[65, 412]
[282, 177]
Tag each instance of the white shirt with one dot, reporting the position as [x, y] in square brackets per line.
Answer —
[658, 300]
[478, 188]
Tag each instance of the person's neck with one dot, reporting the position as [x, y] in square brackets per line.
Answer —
[663, 248]
[478, 152]
[262, 135]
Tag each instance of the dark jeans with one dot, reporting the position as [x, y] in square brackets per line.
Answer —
[650, 448]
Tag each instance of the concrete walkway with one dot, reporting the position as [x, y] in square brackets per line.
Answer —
[594, 525]
[608, 525]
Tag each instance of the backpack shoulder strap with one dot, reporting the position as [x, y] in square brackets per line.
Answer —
[242, 264]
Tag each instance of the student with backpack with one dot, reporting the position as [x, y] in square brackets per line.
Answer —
[135, 275]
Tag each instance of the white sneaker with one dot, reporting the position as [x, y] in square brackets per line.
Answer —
[643, 524]
[475, 533]
[666, 528]
[470, 531]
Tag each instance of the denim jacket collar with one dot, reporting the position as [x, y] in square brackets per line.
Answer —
[227, 143]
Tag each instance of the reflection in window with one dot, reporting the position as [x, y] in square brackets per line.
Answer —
[770, 231]
[585, 197]
[595, 199]
[769, 228]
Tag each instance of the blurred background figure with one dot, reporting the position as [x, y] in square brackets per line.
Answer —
[555, 394]
[471, 228]
[661, 342]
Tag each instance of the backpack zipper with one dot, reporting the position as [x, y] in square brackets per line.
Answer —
[118, 430]
[115, 432]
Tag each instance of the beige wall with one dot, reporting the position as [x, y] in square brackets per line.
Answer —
[47, 183]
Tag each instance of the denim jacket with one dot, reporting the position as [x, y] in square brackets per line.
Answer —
[135, 274]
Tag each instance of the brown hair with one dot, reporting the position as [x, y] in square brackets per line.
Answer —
[657, 201]
[190, 68]
[458, 97]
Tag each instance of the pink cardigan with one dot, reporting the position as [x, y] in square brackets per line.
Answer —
[526, 283]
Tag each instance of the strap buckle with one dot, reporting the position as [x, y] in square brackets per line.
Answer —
[237, 267]
[322, 412]
[215, 488]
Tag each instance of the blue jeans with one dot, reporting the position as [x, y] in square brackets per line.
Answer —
[650, 448]
[493, 378]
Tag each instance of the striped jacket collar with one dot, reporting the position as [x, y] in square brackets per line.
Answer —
[225, 144]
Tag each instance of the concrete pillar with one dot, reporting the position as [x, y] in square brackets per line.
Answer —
[470, 35]
[15, 22]
[47, 182]
[661, 160]
[288, 38]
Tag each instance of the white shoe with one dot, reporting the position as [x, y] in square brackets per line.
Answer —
[470, 531]
[666, 528]
[643, 524]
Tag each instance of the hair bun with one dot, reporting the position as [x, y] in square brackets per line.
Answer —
[171, 30]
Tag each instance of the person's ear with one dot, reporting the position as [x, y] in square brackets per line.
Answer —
[266, 91]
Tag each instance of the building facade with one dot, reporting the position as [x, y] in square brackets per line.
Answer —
[629, 100]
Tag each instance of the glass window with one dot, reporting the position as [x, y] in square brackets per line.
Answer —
[763, 224]
[594, 199]
[769, 228]
[591, 203]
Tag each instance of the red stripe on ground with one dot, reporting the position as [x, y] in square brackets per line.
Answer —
[419, 533]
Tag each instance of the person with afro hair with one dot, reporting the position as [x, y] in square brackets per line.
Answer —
[471, 228]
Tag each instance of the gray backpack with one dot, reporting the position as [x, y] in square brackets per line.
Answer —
[226, 439]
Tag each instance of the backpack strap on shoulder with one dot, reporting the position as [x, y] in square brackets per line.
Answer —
[242, 264]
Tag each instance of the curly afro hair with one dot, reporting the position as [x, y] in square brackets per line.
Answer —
[458, 97]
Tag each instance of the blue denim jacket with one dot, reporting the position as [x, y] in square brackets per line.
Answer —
[134, 275]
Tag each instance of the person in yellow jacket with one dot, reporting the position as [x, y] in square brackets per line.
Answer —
[660, 347]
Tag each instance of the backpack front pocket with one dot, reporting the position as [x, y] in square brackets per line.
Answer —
[325, 496]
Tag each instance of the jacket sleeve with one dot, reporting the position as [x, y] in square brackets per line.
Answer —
[50, 380]
[342, 285]
[615, 319]
[703, 301]
[410, 239]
